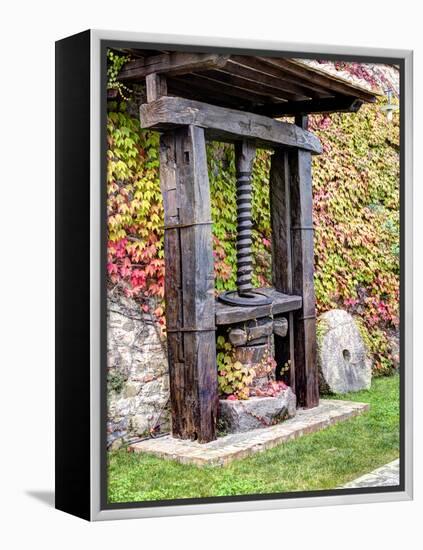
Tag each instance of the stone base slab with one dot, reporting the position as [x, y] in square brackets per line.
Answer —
[257, 412]
[240, 445]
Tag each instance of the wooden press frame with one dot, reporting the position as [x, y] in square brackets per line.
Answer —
[189, 283]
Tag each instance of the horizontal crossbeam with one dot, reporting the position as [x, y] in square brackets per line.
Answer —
[281, 303]
[224, 124]
[174, 63]
[341, 104]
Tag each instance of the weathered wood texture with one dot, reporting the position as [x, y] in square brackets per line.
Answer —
[255, 69]
[156, 86]
[171, 63]
[226, 124]
[307, 380]
[249, 355]
[314, 76]
[280, 326]
[237, 337]
[293, 258]
[251, 90]
[342, 104]
[281, 303]
[189, 284]
[280, 213]
[248, 333]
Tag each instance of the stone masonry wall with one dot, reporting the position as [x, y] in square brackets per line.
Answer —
[137, 373]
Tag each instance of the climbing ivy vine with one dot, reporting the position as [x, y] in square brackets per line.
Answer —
[356, 215]
[135, 211]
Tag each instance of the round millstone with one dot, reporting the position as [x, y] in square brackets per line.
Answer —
[344, 361]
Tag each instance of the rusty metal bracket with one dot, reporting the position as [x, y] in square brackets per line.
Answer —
[191, 329]
[182, 225]
[306, 317]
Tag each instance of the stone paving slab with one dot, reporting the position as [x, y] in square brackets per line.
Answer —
[385, 476]
[240, 445]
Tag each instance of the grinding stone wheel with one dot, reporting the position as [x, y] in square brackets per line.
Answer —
[343, 358]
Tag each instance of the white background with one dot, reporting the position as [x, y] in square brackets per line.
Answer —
[28, 32]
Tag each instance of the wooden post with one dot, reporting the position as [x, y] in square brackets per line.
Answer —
[280, 213]
[307, 379]
[156, 86]
[189, 284]
[293, 264]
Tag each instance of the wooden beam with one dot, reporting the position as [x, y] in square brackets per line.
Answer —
[326, 105]
[302, 121]
[269, 64]
[235, 76]
[172, 63]
[226, 124]
[281, 303]
[280, 215]
[293, 263]
[189, 284]
[156, 86]
[192, 89]
[306, 372]
[210, 83]
[326, 81]
[254, 68]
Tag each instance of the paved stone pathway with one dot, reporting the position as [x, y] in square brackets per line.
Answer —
[385, 476]
[240, 445]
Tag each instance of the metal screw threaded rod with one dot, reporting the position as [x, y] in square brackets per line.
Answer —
[244, 237]
[244, 295]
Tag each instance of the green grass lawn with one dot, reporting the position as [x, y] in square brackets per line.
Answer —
[323, 460]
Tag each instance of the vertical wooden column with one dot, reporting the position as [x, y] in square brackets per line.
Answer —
[293, 264]
[189, 284]
[280, 213]
[302, 250]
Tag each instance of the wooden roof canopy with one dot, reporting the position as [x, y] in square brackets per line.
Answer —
[270, 86]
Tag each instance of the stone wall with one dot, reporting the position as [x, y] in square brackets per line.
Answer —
[137, 373]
